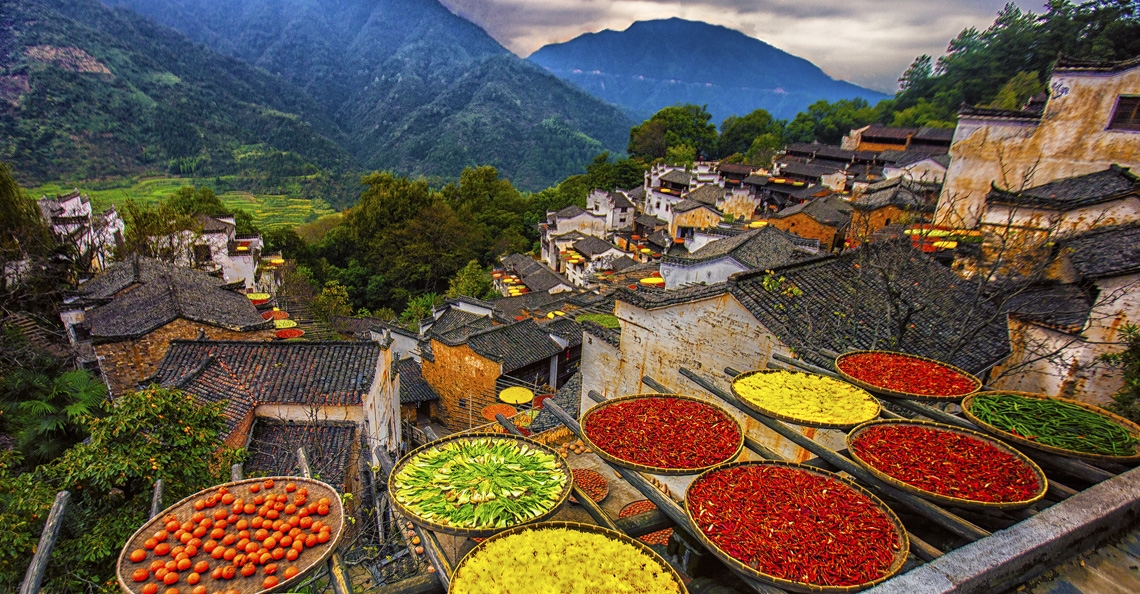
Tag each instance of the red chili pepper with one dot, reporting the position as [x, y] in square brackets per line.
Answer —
[794, 524]
[946, 462]
[903, 373]
[664, 432]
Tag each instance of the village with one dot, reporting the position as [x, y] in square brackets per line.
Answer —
[1007, 247]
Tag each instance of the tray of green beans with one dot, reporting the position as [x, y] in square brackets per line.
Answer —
[1057, 425]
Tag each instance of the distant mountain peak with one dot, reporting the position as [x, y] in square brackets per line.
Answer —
[656, 63]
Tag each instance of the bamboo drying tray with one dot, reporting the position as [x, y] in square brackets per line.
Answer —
[585, 435]
[1131, 427]
[900, 555]
[587, 472]
[310, 558]
[899, 394]
[791, 419]
[614, 535]
[1042, 481]
[477, 532]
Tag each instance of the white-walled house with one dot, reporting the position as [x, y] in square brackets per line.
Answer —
[757, 249]
[93, 235]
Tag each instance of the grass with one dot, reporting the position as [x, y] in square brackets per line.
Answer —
[603, 320]
[268, 211]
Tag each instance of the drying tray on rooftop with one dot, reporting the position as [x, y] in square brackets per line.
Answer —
[1129, 426]
[608, 457]
[1042, 481]
[567, 487]
[310, 558]
[908, 395]
[900, 556]
[611, 534]
[775, 414]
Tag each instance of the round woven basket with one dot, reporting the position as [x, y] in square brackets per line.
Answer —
[654, 469]
[783, 417]
[1132, 428]
[310, 558]
[1042, 481]
[897, 394]
[477, 532]
[900, 555]
[618, 536]
[605, 484]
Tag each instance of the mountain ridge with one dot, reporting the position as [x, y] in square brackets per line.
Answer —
[656, 63]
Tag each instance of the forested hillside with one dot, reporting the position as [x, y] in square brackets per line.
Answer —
[415, 88]
[87, 92]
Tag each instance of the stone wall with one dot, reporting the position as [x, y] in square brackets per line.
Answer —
[128, 362]
[807, 227]
[865, 223]
[464, 381]
[698, 218]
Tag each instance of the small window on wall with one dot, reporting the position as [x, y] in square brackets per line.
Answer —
[463, 403]
[1127, 114]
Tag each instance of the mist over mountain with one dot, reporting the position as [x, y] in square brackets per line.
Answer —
[654, 64]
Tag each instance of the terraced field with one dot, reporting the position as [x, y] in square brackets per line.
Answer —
[268, 211]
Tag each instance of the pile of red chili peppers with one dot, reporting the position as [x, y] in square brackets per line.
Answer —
[794, 524]
[903, 373]
[664, 432]
[946, 462]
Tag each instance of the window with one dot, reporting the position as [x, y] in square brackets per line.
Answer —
[1127, 114]
[202, 253]
[463, 403]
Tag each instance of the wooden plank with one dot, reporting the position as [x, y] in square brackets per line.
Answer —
[34, 576]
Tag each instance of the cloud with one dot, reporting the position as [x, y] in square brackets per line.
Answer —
[868, 42]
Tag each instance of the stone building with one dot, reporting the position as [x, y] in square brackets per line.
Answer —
[614, 205]
[274, 389]
[1061, 327]
[1088, 123]
[824, 219]
[1067, 205]
[128, 315]
[892, 202]
[93, 235]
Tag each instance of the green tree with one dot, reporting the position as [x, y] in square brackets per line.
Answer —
[1126, 402]
[674, 126]
[737, 134]
[332, 302]
[828, 122]
[918, 74]
[30, 278]
[191, 201]
[1017, 91]
[48, 414]
[144, 436]
[418, 308]
[763, 149]
[681, 154]
[472, 280]
[159, 231]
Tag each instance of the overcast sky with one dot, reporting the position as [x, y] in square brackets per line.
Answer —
[868, 42]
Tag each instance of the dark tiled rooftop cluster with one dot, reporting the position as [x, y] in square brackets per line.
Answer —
[414, 389]
[566, 329]
[514, 345]
[568, 398]
[763, 248]
[328, 447]
[591, 246]
[1073, 192]
[832, 211]
[892, 192]
[1105, 252]
[533, 274]
[1065, 307]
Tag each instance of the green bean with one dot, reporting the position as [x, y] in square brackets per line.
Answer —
[1055, 423]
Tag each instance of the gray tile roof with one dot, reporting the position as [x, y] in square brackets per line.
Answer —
[523, 305]
[1065, 307]
[623, 262]
[1073, 192]
[686, 205]
[414, 389]
[637, 194]
[329, 373]
[212, 224]
[569, 212]
[660, 239]
[707, 194]
[564, 328]
[843, 303]
[1001, 114]
[735, 168]
[649, 299]
[763, 248]
[881, 131]
[677, 176]
[592, 246]
[935, 134]
[1066, 63]
[893, 192]
[328, 446]
[568, 398]
[832, 211]
[1105, 252]
[456, 320]
[514, 345]
[620, 200]
[650, 221]
[905, 158]
[535, 275]
[612, 336]
[808, 170]
[164, 293]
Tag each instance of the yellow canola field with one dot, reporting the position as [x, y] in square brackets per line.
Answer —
[558, 561]
[812, 399]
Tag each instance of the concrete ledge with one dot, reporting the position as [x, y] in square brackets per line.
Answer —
[1029, 548]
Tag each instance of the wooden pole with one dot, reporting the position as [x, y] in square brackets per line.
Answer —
[156, 499]
[34, 576]
[236, 473]
[338, 573]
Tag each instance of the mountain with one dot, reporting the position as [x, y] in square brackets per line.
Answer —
[90, 92]
[654, 64]
[415, 88]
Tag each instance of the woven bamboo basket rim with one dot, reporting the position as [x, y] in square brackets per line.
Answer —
[335, 519]
[1131, 427]
[477, 532]
[900, 556]
[605, 492]
[899, 394]
[613, 534]
[1042, 480]
[798, 421]
[608, 457]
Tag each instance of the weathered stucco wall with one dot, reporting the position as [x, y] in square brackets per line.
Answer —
[864, 223]
[739, 204]
[1071, 139]
[710, 273]
[698, 218]
[128, 362]
[460, 375]
[999, 216]
[807, 227]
